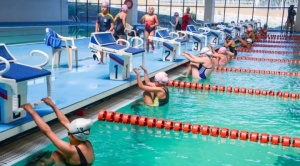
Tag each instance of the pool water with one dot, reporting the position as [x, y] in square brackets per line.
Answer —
[125, 144]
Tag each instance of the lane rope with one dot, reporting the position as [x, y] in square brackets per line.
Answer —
[214, 131]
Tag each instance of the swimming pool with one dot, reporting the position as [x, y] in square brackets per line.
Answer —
[124, 144]
[33, 34]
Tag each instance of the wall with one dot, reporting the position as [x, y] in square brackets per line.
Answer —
[14, 11]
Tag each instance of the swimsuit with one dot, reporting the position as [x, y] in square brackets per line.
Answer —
[161, 102]
[83, 161]
[232, 48]
[119, 26]
[202, 70]
[149, 21]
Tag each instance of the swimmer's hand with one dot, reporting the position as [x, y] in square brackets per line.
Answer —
[136, 70]
[144, 68]
[48, 101]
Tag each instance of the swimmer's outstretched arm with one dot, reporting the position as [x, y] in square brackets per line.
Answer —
[44, 127]
[145, 87]
[61, 117]
[147, 80]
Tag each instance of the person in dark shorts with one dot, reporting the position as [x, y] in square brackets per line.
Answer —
[104, 23]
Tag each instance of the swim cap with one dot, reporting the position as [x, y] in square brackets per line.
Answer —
[229, 37]
[124, 7]
[150, 7]
[206, 51]
[249, 29]
[222, 50]
[176, 14]
[80, 128]
[162, 78]
[105, 4]
[249, 40]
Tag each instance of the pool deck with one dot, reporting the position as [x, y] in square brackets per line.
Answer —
[80, 87]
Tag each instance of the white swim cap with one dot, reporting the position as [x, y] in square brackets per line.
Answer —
[249, 40]
[80, 128]
[206, 51]
[162, 78]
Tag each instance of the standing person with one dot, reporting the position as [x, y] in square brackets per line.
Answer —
[104, 23]
[200, 66]
[155, 94]
[78, 152]
[120, 21]
[177, 25]
[186, 19]
[290, 20]
[151, 21]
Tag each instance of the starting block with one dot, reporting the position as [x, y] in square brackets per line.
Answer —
[171, 45]
[120, 55]
[13, 84]
[119, 67]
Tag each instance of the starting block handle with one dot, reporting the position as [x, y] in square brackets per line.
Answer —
[34, 104]
[123, 40]
[7, 66]
[44, 54]
[138, 39]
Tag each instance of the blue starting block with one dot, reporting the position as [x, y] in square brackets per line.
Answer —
[120, 55]
[171, 45]
[13, 84]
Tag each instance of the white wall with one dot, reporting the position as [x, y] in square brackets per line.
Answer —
[33, 11]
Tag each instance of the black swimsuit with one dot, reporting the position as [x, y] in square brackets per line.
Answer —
[83, 161]
[165, 100]
[120, 27]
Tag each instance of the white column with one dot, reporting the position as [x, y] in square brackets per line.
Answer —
[209, 11]
[297, 20]
[132, 13]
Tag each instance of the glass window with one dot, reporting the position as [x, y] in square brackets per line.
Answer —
[231, 11]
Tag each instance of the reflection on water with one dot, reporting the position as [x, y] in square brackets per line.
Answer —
[32, 34]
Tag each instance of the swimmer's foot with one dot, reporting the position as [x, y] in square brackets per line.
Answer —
[100, 63]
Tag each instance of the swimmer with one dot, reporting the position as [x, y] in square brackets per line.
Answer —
[219, 58]
[230, 44]
[78, 152]
[264, 32]
[245, 44]
[155, 93]
[200, 67]
[250, 34]
[151, 21]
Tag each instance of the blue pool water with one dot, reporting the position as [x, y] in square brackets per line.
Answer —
[125, 144]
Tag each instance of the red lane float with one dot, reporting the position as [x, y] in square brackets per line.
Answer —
[214, 131]
[234, 134]
[160, 123]
[151, 122]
